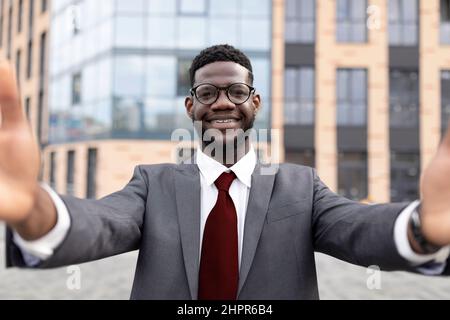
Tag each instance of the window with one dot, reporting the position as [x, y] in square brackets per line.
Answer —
[299, 95]
[19, 16]
[403, 22]
[191, 32]
[192, 7]
[30, 18]
[445, 10]
[18, 60]
[351, 97]
[129, 76]
[42, 58]
[445, 21]
[351, 21]
[304, 157]
[10, 16]
[29, 59]
[52, 177]
[227, 8]
[162, 6]
[39, 115]
[405, 174]
[352, 175]
[130, 6]
[76, 89]
[445, 98]
[91, 190]
[128, 115]
[27, 107]
[255, 34]
[166, 35]
[74, 14]
[300, 21]
[404, 98]
[161, 76]
[183, 78]
[130, 31]
[70, 173]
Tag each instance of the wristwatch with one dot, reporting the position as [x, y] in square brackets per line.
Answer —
[416, 227]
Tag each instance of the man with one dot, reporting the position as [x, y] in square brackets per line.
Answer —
[218, 227]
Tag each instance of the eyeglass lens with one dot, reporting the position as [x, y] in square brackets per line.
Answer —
[237, 93]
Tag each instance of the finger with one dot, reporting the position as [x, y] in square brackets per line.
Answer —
[11, 111]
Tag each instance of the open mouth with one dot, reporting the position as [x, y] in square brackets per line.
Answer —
[223, 121]
[222, 124]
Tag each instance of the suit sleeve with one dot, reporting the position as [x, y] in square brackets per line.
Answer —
[357, 233]
[98, 229]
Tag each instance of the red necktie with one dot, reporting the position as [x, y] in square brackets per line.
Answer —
[219, 270]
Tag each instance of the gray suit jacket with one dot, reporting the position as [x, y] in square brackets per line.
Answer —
[290, 215]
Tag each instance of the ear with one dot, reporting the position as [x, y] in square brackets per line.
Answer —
[189, 105]
[257, 104]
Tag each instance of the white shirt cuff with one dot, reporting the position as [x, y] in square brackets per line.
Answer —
[43, 247]
[404, 247]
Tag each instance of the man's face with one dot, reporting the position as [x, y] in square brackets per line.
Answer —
[223, 115]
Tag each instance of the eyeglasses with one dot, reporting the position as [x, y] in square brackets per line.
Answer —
[207, 93]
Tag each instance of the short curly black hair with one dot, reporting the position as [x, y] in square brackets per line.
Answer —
[221, 52]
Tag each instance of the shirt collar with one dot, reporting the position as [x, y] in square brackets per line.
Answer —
[211, 169]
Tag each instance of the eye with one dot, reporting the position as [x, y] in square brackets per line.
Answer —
[206, 92]
[239, 90]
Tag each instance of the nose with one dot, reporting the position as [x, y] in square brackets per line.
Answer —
[222, 103]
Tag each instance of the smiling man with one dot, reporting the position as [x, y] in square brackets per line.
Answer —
[224, 101]
[216, 228]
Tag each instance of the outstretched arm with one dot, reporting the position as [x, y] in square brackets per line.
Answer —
[23, 204]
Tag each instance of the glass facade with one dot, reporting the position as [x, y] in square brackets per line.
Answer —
[403, 22]
[131, 60]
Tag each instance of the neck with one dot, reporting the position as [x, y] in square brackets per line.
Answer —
[229, 155]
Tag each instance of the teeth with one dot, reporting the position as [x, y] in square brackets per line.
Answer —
[224, 121]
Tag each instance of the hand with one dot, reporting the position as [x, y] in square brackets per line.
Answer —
[435, 185]
[19, 153]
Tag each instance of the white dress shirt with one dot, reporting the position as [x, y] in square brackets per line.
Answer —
[210, 170]
[239, 191]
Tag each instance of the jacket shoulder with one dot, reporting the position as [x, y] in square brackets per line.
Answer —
[292, 167]
[160, 167]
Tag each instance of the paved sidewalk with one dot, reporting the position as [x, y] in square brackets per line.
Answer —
[112, 279]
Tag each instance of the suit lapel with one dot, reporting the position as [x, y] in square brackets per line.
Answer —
[188, 193]
[258, 204]
[187, 187]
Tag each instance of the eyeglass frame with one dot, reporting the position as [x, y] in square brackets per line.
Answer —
[193, 92]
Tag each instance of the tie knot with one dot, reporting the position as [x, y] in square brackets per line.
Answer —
[225, 180]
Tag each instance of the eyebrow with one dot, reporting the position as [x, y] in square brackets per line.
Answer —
[247, 82]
